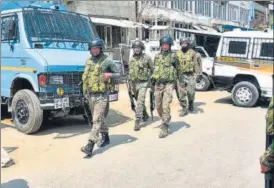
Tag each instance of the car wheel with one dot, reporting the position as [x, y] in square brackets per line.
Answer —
[245, 94]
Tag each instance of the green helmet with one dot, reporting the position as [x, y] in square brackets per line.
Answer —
[137, 44]
[96, 43]
[182, 40]
[166, 39]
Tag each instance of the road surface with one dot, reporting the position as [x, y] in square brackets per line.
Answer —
[218, 145]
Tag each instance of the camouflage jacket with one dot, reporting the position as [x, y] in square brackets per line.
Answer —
[93, 76]
[268, 156]
[140, 68]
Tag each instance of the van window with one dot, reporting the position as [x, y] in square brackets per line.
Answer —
[263, 49]
[9, 28]
[235, 47]
[267, 50]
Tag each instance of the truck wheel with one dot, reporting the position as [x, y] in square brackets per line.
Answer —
[26, 112]
[203, 85]
[245, 94]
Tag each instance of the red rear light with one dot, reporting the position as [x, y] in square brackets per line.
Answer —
[42, 80]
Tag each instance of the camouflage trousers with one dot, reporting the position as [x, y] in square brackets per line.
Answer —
[140, 90]
[163, 98]
[186, 90]
[99, 107]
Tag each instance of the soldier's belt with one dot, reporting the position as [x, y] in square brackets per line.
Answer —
[163, 82]
[189, 73]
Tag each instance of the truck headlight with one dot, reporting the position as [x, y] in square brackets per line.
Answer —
[56, 80]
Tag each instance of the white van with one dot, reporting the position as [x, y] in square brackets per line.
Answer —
[244, 66]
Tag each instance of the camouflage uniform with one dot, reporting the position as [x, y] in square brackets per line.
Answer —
[188, 68]
[140, 68]
[97, 90]
[164, 75]
[268, 156]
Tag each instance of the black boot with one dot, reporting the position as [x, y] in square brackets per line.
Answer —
[88, 148]
[105, 140]
[191, 107]
[137, 126]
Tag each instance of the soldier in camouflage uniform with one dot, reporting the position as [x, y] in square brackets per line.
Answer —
[98, 74]
[267, 160]
[187, 75]
[140, 69]
[164, 78]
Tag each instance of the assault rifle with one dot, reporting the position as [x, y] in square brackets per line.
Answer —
[130, 94]
[269, 175]
[152, 97]
[87, 113]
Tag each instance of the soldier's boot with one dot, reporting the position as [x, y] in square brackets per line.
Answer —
[145, 116]
[164, 131]
[88, 148]
[137, 125]
[105, 140]
[183, 113]
[191, 106]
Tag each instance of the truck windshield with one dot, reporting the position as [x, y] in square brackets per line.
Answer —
[51, 28]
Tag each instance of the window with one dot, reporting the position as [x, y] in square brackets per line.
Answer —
[175, 5]
[263, 48]
[219, 10]
[232, 12]
[9, 28]
[162, 3]
[267, 50]
[237, 47]
[244, 15]
[200, 51]
[203, 8]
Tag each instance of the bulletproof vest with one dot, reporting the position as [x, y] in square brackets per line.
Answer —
[269, 119]
[139, 69]
[186, 63]
[94, 82]
[163, 68]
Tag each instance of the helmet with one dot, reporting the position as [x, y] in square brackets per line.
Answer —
[138, 43]
[166, 39]
[96, 43]
[182, 40]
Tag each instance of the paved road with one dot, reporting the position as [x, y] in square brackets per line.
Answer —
[217, 146]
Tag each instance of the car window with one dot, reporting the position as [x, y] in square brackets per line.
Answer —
[200, 51]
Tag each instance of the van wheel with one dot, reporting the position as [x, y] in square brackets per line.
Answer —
[203, 85]
[26, 112]
[245, 94]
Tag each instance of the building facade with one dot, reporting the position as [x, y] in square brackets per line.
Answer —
[200, 15]
[115, 21]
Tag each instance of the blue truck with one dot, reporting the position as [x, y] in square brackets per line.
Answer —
[43, 53]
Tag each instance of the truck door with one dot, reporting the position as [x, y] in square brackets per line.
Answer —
[10, 52]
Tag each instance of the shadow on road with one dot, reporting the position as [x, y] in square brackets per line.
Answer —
[17, 183]
[150, 121]
[176, 126]
[74, 126]
[198, 110]
[262, 103]
[116, 140]
[10, 149]
[116, 118]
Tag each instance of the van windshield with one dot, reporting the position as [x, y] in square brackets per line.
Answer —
[53, 28]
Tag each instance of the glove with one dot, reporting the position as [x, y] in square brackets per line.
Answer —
[107, 76]
[264, 169]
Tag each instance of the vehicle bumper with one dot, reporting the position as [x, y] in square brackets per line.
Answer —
[49, 104]
[266, 92]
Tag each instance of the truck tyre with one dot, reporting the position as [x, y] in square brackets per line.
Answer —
[26, 112]
[245, 94]
[204, 84]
